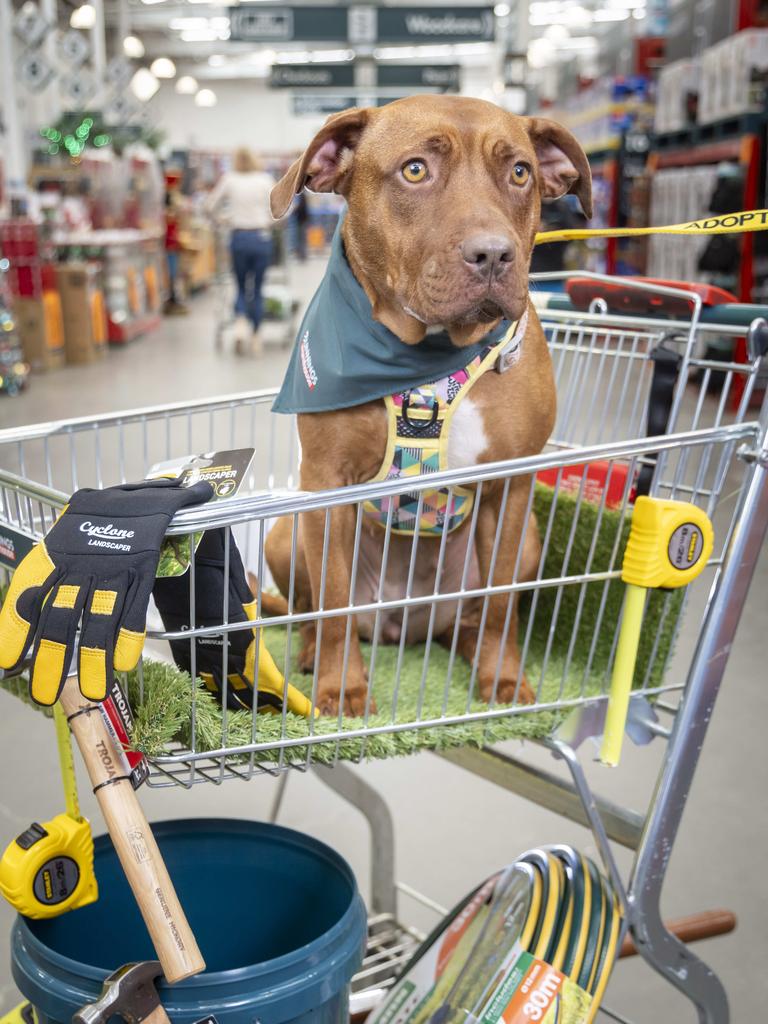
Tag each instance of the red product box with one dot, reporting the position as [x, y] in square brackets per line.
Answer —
[601, 478]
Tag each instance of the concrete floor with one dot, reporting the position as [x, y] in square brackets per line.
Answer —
[452, 829]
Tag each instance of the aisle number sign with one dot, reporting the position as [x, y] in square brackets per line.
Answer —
[255, 23]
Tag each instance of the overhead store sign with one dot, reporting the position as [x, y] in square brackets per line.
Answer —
[435, 24]
[431, 76]
[311, 76]
[321, 104]
[253, 23]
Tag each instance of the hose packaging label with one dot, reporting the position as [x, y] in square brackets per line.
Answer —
[532, 990]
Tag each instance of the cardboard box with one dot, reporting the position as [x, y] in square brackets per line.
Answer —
[40, 327]
[82, 304]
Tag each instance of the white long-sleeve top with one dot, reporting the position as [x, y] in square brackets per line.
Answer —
[242, 199]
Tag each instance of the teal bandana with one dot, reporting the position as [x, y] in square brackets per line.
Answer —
[343, 357]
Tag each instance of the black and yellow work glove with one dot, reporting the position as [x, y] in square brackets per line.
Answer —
[172, 597]
[97, 563]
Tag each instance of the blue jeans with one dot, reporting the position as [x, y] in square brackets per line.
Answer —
[251, 255]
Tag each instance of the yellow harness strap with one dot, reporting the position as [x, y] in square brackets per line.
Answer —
[418, 428]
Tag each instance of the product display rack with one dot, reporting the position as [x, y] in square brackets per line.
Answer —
[741, 140]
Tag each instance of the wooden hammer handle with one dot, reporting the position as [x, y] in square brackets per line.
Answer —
[158, 1016]
[704, 925]
[132, 837]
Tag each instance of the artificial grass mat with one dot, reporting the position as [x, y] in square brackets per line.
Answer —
[574, 532]
[581, 538]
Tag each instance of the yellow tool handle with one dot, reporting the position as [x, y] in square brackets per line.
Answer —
[68, 777]
[623, 671]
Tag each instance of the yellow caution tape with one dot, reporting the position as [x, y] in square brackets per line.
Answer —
[728, 224]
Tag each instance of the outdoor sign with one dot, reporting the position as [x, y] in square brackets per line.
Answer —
[254, 23]
[312, 76]
[430, 76]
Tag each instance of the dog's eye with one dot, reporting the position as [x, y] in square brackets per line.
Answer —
[414, 171]
[520, 174]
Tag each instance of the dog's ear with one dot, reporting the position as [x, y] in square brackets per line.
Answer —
[325, 163]
[562, 162]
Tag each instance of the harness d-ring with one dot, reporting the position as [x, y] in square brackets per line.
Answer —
[419, 425]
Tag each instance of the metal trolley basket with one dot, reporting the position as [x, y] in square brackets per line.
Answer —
[708, 450]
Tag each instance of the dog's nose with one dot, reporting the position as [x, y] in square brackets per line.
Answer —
[487, 254]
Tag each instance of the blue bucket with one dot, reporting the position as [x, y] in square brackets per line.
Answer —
[276, 913]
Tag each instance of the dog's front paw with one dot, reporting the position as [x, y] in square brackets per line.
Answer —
[507, 691]
[355, 698]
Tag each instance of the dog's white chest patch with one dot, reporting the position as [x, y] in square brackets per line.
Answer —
[466, 439]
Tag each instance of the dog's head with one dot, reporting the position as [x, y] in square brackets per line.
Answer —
[444, 197]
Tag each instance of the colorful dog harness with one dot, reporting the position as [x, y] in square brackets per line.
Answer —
[419, 423]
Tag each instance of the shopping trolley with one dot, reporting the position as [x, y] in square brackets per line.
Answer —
[281, 305]
[641, 409]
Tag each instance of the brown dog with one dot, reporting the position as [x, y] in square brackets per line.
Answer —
[444, 198]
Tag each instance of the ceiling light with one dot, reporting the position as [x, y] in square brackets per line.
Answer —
[179, 24]
[144, 84]
[186, 85]
[262, 57]
[577, 17]
[206, 98]
[83, 16]
[611, 15]
[432, 50]
[540, 53]
[556, 34]
[217, 60]
[330, 56]
[200, 35]
[148, 2]
[587, 44]
[502, 10]
[133, 47]
[163, 67]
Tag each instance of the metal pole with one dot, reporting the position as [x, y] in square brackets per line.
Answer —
[51, 95]
[659, 947]
[99, 43]
[123, 24]
[16, 153]
[350, 785]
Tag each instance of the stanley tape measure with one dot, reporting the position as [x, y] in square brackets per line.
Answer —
[48, 868]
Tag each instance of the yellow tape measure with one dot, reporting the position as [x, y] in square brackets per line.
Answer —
[48, 869]
[668, 546]
[729, 224]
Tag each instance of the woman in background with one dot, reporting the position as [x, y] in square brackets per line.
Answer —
[244, 193]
